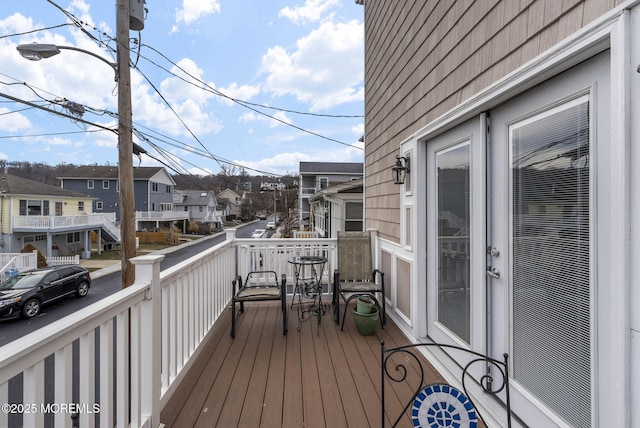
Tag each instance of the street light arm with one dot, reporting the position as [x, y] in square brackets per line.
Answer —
[113, 65]
[37, 51]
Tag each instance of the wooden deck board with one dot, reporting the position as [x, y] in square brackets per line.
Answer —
[262, 378]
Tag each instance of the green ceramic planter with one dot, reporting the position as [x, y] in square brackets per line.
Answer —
[364, 305]
[366, 324]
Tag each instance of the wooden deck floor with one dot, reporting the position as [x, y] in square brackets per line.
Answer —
[304, 379]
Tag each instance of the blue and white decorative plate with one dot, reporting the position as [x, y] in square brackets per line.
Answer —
[443, 406]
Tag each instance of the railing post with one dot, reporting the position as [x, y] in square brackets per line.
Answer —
[230, 234]
[148, 271]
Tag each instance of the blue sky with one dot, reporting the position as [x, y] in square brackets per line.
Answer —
[281, 57]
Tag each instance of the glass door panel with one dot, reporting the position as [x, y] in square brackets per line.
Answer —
[456, 294]
[550, 258]
[453, 257]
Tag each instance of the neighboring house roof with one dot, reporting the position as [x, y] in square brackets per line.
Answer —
[13, 185]
[97, 172]
[356, 168]
[353, 186]
[195, 197]
[232, 196]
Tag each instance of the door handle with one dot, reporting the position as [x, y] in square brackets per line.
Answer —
[493, 272]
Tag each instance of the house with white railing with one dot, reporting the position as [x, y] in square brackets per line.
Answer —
[153, 189]
[201, 206]
[58, 222]
[316, 176]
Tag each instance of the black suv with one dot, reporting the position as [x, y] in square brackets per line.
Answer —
[25, 293]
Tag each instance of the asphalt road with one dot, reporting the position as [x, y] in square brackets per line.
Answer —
[105, 285]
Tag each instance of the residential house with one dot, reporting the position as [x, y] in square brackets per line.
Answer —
[272, 186]
[201, 206]
[153, 193]
[515, 230]
[235, 201]
[56, 221]
[315, 176]
[337, 208]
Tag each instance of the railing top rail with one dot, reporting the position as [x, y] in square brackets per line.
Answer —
[176, 269]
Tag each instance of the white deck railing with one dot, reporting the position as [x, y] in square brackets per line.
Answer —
[45, 222]
[273, 254]
[158, 324]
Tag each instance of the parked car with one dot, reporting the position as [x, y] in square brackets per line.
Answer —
[258, 233]
[25, 293]
[271, 225]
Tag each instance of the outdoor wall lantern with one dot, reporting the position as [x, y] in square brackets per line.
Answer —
[400, 169]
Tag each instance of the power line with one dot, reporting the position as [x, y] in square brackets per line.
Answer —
[34, 31]
[245, 104]
[68, 116]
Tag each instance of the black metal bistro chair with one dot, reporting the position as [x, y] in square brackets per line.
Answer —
[258, 286]
[441, 404]
[355, 276]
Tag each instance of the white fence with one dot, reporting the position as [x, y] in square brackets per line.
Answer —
[63, 260]
[153, 329]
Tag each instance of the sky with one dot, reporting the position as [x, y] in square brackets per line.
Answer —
[254, 84]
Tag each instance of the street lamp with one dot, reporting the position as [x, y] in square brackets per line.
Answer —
[38, 51]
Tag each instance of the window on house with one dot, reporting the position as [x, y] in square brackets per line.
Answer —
[73, 238]
[166, 207]
[168, 190]
[99, 205]
[33, 207]
[154, 187]
[80, 206]
[323, 182]
[90, 184]
[105, 184]
[353, 217]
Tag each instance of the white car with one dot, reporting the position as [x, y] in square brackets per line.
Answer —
[258, 233]
[271, 225]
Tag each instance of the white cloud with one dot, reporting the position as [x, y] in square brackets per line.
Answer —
[13, 122]
[311, 11]
[189, 102]
[193, 10]
[16, 23]
[272, 123]
[325, 70]
[285, 162]
[243, 93]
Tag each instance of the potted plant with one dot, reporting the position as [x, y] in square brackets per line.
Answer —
[366, 323]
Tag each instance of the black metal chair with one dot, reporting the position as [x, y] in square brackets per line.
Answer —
[355, 276]
[441, 404]
[258, 286]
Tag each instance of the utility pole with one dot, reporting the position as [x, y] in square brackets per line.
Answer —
[125, 145]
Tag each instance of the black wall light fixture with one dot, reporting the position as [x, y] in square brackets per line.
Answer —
[400, 169]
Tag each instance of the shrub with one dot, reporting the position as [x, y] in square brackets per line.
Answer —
[30, 248]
